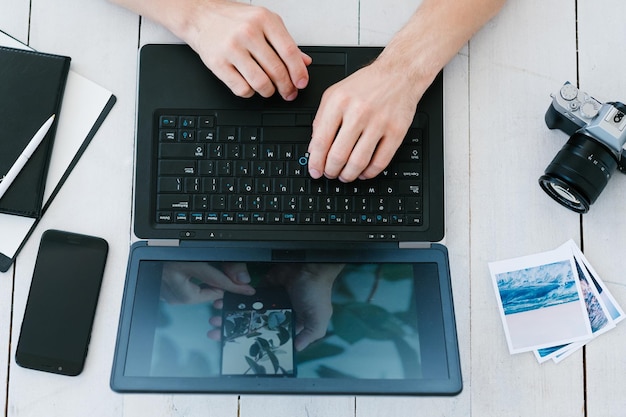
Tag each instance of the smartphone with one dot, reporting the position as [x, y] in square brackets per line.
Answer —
[258, 334]
[61, 304]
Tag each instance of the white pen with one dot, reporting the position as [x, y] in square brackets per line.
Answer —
[28, 151]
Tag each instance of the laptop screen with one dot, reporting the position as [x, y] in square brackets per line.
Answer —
[311, 326]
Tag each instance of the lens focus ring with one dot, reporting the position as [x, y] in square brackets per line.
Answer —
[579, 172]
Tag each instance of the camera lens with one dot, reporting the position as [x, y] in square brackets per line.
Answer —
[578, 173]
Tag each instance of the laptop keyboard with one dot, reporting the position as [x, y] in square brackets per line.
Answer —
[211, 171]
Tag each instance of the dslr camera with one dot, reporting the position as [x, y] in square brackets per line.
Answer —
[582, 168]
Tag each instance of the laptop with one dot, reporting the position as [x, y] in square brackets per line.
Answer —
[350, 293]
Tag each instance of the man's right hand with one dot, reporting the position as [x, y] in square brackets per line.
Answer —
[248, 48]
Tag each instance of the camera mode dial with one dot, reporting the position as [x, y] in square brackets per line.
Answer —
[569, 92]
[590, 108]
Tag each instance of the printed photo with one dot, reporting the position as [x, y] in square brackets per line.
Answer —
[540, 301]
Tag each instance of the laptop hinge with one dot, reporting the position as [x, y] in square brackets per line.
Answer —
[163, 242]
[415, 245]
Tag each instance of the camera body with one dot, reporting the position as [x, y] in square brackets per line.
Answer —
[582, 168]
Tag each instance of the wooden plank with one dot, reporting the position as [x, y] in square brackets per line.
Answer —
[601, 37]
[101, 39]
[311, 23]
[14, 19]
[515, 63]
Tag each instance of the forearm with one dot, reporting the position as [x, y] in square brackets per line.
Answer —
[176, 16]
[433, 35]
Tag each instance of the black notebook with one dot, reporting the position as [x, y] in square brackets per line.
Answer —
[31, 90]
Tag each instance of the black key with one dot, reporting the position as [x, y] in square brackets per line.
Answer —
[227, 134]
[218, 202]
[243, 218]
[196, 217]
[237, 203]
[165, 217]
[216, 151]
[224, 168]
[173, 201]
[409, 153]
[200, 202]
[290, 203]
[167, 121]
[206, 168]
[228, 217]
[415, 220]
[299, 186]
[193, 185]
[279, 119]
[308, 203]
[177, 167]
[182, 217]
[170, 185]
[259, 217]
[206, 121]
[304, 119]
[272, 203]
[414, 136]
[168, 135]
[286, 134]
[187, 135]
[187, 122]
[290, 218]
[241, 168]
[414, 204]
[336, 218]
[181, 150]
[212, 217]
[211, 185]
[407, 170]
[255, 203]
[269, 152]
[207, 135]
[413, 188]
[263, 185]
[250, 134]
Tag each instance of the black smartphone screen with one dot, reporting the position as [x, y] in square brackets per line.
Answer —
[62, 302]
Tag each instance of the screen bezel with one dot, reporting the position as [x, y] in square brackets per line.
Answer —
[445, 382]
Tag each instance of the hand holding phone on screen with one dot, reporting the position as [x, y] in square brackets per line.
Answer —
[61, 304]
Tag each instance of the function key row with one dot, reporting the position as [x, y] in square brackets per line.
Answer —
[289, 218]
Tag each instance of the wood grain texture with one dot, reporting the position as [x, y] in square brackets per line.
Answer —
[601, 62]
[515, 63]
[497, 145]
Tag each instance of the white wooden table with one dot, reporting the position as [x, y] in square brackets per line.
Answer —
[496, 92]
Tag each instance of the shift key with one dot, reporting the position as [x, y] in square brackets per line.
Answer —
[181, 150]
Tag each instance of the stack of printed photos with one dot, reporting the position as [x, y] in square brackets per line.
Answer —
[552, 303]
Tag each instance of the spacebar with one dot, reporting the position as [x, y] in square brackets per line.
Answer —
[286, 134]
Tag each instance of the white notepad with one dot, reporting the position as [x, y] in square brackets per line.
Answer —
[85, 105]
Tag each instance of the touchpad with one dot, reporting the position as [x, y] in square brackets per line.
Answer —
[327, 69]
